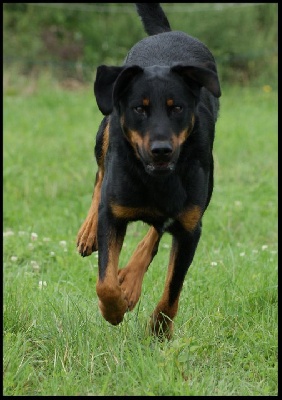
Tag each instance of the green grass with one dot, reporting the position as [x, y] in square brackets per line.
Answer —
[55, 340]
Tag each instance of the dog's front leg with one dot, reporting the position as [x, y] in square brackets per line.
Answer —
[112, 300]
[131, 277]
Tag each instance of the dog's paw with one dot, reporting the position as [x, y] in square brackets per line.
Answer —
[87, 247]
[112, 303]
[161, 326]
[86, 239]
[131, 285]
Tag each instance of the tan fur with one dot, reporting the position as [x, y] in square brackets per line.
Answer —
[131, 277]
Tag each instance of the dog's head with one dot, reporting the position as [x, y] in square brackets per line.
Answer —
[156, 107]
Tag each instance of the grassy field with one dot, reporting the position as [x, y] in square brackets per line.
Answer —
[55, 340]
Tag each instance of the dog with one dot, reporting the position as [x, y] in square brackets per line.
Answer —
[155, 164]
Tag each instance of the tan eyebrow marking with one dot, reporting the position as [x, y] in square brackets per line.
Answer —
[169, 102]
[146, 102]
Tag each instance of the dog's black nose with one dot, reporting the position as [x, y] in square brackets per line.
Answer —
[161, 149]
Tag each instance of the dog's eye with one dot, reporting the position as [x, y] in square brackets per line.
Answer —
[141, 110]
[176, 109]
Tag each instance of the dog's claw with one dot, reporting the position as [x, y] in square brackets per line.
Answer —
[87, 247]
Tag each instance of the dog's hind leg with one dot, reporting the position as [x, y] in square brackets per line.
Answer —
[87, 235]
[181, 256]
[131, 277]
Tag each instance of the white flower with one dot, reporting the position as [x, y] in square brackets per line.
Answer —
[63, 243]
[52, 254]
[264, 247]
[242, 254]
[14, 258]
[213, 263]
[34, 236]
[34, 265]
[41, 284]
[8, 233]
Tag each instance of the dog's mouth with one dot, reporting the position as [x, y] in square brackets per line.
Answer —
[160, 168]
[158, 164]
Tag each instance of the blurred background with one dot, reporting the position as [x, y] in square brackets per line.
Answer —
[71, 39]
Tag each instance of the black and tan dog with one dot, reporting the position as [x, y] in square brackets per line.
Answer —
[155, 164]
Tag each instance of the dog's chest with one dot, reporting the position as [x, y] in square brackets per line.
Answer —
[168, 196]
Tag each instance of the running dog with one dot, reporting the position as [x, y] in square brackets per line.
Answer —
[155, 164]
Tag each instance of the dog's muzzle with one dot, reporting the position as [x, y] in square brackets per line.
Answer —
[160, 160]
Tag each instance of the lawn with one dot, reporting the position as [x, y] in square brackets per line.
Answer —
[55, 340]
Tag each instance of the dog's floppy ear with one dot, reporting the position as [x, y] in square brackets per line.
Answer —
[204, 75]
[103, 87]
[110, 83]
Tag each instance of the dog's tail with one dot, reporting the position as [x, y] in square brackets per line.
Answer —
[153, 18]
